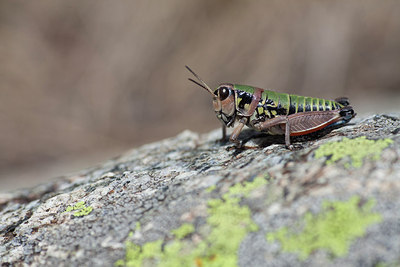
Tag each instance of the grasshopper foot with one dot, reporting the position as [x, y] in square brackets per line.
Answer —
[222, 140]
[294, 147]
[237, 146]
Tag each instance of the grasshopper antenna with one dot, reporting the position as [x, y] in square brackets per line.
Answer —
[202, 84]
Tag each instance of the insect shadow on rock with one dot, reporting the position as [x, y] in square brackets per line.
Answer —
[274, 113]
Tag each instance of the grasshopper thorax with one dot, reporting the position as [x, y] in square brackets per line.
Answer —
[224, 103]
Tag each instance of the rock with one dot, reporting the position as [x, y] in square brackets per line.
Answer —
[194, 201]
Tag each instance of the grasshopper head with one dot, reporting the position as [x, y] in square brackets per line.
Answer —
[223, 99]
[224, 103]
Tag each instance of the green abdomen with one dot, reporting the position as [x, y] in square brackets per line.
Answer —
[305, 104]
[274, 104]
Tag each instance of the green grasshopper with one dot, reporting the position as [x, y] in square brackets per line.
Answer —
[272, 112]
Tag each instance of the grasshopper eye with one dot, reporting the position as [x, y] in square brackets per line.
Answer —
[223, 93]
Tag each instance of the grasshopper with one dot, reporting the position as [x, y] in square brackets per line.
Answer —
[272, 112]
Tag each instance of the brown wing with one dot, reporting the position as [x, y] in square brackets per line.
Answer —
[308, 122]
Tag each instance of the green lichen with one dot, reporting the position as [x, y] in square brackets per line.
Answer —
[357, 149]
[245, 190]
[230, 223]
[211, 188]
[184, 230]
[333, 229]
[138, 227]
[387, 264]
[80, 209]
[227, 225]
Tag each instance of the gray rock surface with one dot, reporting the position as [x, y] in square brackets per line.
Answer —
[162, 185]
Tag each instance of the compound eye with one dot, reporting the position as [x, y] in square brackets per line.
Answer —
[223, 93]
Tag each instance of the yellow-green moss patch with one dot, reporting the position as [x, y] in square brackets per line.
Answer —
[211, 188]
[138, 227]
[357, 149]
[227, 225]
[184, 230]
[80, 209]
[333, 229]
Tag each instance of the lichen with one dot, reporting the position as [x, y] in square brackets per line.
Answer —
[247, 188]
[80, 209]
[138, 227]
[228, 223]
[333, 229]
[357, 149]
[387, 264]
[211, 188]
[184, 230]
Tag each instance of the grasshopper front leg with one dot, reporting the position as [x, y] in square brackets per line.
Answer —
[236, 132]
[223, 133]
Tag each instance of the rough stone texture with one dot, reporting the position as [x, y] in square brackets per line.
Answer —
[162, 185]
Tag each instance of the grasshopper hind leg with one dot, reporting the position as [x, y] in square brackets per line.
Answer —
[287, 135]
[304, 123]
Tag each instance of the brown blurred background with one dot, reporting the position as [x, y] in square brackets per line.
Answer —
[81, 81]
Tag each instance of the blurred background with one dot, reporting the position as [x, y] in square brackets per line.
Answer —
[82, 81]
